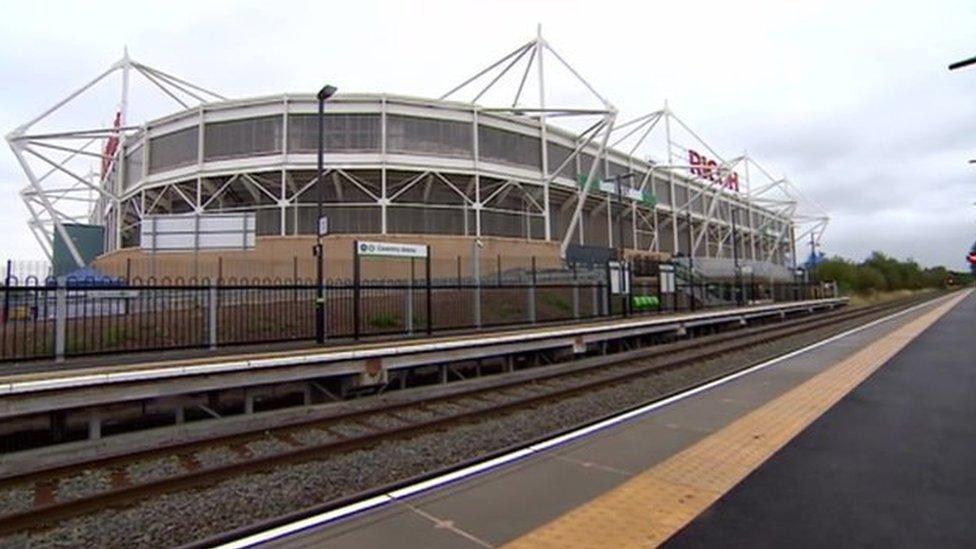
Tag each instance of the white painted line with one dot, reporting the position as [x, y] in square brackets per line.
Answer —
[460, 474]
[84, 380]
[46, 384]
[309, 522]
[499, 461]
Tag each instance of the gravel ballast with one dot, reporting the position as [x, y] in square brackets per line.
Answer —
[16, 499]
[182, 517]
[83, 484]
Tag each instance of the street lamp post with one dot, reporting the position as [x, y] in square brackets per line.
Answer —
[324, 94]
[616, 179]
[735, 258]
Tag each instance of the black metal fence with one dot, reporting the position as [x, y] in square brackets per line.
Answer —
[52, 320]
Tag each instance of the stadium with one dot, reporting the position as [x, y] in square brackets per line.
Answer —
[226, 188]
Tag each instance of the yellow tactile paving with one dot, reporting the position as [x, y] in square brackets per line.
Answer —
[652, 506]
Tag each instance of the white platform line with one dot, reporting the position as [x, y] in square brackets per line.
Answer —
[499, 461]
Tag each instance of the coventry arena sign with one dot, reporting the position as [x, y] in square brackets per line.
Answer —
[391, 249]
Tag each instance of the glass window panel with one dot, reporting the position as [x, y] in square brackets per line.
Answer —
[240, 138]
[662, 190]
[497, 145]
[411, 134]
[420, 220]
[133, 166]
[613, 169]
[343, 133]
[680, 196]
[585, 162]
[557, 154]
[173, 150]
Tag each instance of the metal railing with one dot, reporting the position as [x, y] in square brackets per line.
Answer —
[60, 319]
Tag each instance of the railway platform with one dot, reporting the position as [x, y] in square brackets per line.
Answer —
[358, 358]
[864, 438]
[89, 411]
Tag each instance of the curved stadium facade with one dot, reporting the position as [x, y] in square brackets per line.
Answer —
[416, 170]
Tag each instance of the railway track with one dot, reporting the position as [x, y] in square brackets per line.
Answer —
[55, 494]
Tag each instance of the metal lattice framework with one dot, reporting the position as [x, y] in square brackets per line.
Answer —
[58, 164]
[484, 159]
[535, 52]
[708, 222]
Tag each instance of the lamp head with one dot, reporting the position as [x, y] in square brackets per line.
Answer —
[326, 92]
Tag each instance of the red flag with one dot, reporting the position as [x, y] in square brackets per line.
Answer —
[111, 146]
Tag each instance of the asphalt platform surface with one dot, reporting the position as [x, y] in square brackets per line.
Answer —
[893, 464]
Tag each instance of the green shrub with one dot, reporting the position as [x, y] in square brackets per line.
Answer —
[556, 301]
[383, 321]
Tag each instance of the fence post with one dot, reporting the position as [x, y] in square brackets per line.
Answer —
[658, 291]
[430, 324]
[608, 295]
[60, 320]
[212, 314]
[355, 290]
[576, 293]
[408, 321]
[6, 293]
[531, 293]
[629, 293]
[476, 275]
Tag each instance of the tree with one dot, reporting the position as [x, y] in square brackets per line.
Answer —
[879, 272]
[869, 278]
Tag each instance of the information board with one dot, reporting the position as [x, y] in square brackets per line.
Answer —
[198, 232]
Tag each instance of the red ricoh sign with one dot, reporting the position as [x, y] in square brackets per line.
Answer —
[706, 168]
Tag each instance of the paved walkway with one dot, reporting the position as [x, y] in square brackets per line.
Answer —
[892, 465]
[638, 483]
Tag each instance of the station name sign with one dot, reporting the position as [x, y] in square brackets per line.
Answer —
[706, 168]
[390, 249]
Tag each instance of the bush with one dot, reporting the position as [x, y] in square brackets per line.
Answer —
[880, 272]
[869, 279]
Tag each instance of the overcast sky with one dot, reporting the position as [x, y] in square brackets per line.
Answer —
[851, 100]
